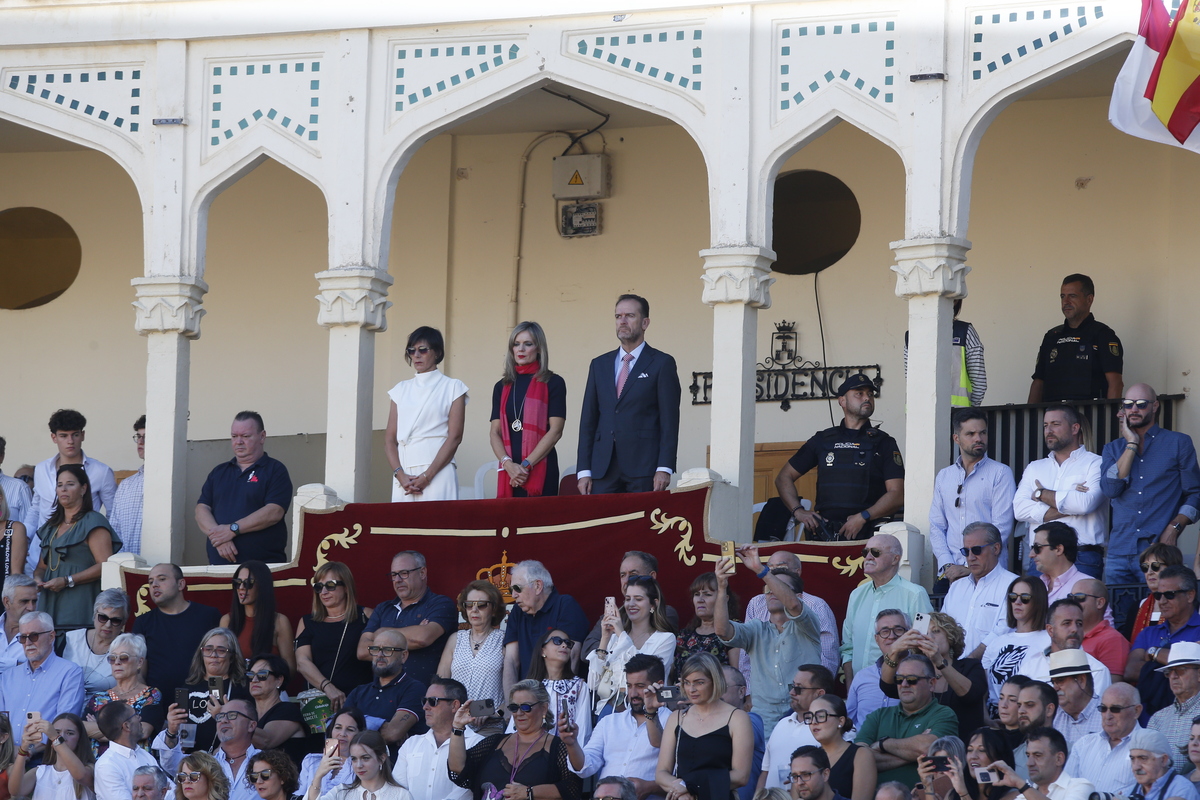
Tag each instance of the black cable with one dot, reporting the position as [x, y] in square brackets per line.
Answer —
[568, 97]
[824, 358]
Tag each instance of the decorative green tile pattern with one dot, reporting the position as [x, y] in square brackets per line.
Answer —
[241, 87]
[426, 71]
[109, 98]
[674, 56]
[811, 56]
[1001, 37]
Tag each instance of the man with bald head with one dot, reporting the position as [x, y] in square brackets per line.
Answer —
[1103, 756]
[885, 589]
[757, 609]
[1153, 481]
[392, 703]
[1100, 639]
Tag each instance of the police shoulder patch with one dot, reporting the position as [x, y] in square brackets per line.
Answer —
[896, 457]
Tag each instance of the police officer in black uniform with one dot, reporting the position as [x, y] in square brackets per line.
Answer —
[860, 473]
[1082, 358]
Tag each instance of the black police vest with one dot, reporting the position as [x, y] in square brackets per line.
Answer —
[844, 473]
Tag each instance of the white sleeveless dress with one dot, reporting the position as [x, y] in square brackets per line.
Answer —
[422, 425]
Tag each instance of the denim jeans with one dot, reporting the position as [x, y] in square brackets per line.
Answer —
[1090, 563]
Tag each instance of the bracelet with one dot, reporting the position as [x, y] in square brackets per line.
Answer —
[765, 572]
[599, 650]
[22, 752]
[170, 735]
[504, 461]
[530, 790]
[1026, 787]
[1131, 446]
[325, 683]
[890, 663]
[397, 469]
[70, 581]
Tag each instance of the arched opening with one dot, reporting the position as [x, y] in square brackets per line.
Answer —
[815, 223]
[39, 257]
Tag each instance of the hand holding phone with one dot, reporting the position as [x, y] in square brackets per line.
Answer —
[985, 775]
[921, 623]
[610, 606]
[668, 696]
[940, 763]
[729, 550]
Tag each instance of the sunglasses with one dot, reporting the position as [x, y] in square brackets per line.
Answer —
[1081, 597]
[958, 499]
[473, 604]
[559, 641]
[433, 701]
[214, 652]
[238, 583]
[1037, 548]
[261, 675]
[188, 777]
[874, 552]
[516, 589]
[1151, 566]
[973, 551]
[816, 716]
[412, 351]
[228, 716]
[119, 658]
[327, 586]
[1114, 709]
[257, 777]
[1140, 404]
[524, 708]
[32, 637]
[796, 688]
[103, 620]
[1024, 598]
[1168, 595]
[376, 650]
[910, 680]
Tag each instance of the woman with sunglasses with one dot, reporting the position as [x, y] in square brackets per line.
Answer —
[372, 773]
[75, 541]
[700, 635]
[960, 683]
[273, 775]
[1027, 616]
[218, 656]
[339, 731]
[15, 543]
[1152, 561]
[280, 724]
[552, 666]
[475, 657]
[252, 616]
[66, 772]
[200, 777]
[639, 626]
[529, 410]
[852, 771]
[327, 639]
[88, 647]
[530, 760]
[425, 424]
[125, 658]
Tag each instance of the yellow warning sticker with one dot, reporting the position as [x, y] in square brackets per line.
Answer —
[576, 180]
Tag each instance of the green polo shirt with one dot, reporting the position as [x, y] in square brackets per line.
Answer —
[895, 723]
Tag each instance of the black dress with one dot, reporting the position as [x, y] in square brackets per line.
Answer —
[335, 650]
[556, 407]
[841, 774]
[296, 747]
[703, 762]
[487, 763]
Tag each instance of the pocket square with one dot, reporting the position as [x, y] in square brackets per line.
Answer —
[644, 375]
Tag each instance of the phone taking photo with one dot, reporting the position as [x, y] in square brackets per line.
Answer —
[985, 775]
[729, 550]
[610, 606]
[564, 710]
[669, 696]
[482, 708]
[940, 763]
[183, 699]
[921, 623]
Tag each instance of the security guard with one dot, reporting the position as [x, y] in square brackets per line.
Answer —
[1081, 359]
[860, 472]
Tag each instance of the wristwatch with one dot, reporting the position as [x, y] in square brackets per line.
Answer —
[234, 528]
[1179, 526]
[1038, 494]
[1026, 787]
[70, 581]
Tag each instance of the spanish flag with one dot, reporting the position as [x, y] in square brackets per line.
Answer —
[1174, 89]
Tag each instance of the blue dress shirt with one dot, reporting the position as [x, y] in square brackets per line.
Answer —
[986, 495]
[1164, 481]
[55, 687]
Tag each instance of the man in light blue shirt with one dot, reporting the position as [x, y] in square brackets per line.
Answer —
[44, 683]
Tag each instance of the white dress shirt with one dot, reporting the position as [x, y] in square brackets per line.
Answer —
[421, 767]
[789, 734]
[1067, 788]
[1107, 765]
[621, 746]
[115, 768]
[980, 606]
[12, 653]
[1085, 511]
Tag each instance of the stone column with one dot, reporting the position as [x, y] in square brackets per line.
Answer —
[168, 315]
[931, 273]
[736, 284]
[353, 301]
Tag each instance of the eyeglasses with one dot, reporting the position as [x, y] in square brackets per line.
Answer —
[103, 620]
[473, 604]
[119, 658]
[433, 701]
[803, 777]
[391, 651]
[1128, 404]
[257, 777]
[210, 651]
[1024, 598]
[559, 641]
[1113, 709]
[140, 438]
[248, 583]
[522, 707]
[228, 716]
[1168, 595]
[815, 716]
[32, 637]
[1151, 566]
[1037, 548]
[894, 632]
[188, 777]
[973, 551]
[874, 552]
[1080, 597]
[261, 675]
[412, 351]
[796, 688]
[910, 680]
[958, 500]
[327, 586]
[401, 574]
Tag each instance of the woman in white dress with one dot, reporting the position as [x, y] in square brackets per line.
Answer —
[67, 764]
[425, 424]
[640, 626]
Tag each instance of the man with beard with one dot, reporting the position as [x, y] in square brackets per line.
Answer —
[977, 603]
[860, 473]
[392, 702]
[1064, 623]
[1065, 486]
[236, 722]
[1048, 780]
[1037, 705]
[811, 681]
[625, 743]
[1081, 359]
[810, 775]
[173, 629]
[1008, 714]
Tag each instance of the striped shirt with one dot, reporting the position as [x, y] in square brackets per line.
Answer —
[1105, 764]
[126, 514]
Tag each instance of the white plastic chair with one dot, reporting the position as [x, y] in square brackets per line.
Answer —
[482, 482]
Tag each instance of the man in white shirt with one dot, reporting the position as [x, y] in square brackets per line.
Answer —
[977, 602]
[421, 763]
[1104, 756]
[236, 722]
[1065, 485]
[756, 608]
[1064, 623]
[1048, 780]
[625, 743]
[811, 681]
[66, 431]
[20, 597]
[122, 726]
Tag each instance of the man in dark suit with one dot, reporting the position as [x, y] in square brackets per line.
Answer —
[629, 427]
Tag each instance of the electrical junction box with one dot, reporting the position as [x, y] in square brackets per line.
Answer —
[580, 219]
[580, 177]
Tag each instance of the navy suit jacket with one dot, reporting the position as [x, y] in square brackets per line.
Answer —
[641, 429]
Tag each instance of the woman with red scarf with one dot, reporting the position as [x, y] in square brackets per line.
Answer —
[529, 410]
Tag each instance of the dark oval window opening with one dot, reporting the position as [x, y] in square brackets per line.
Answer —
[816, 221]
[39, 257]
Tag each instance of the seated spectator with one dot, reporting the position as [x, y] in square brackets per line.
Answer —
[538, 608]
[700, 635]
[776, 647]
[475, 656]
[810, 682]
[150, 783]
[236, 721]
[20, 597]
[174, 629]
[1026, 615]
[1047, 752]
[122, 727]
[735, 695]
[88, 647]
[280, 723]
[1100, 639]
[273, 775]
[638, 626]
[960, 685]
[625, 741]
[1008, 715]
[45, 683]
[391, 703]
[810, 775]
[952, 749]
[976, 600]
[205, 776]
[865, 694]
[892, 790]
[217, 656]
[327, 639]
[126, 512]
[1037, 705]
[1176, 596]
[67, 768]
[252, 616]
[421, 762]
[1152, 561]
[1175, 721]
[1104, 756]
[1071, 676]
[756, 608]
[552, 666]
[987, 746]
[372, 772]
[852, 771]
[126, 657]
[341, 728]
[615, 787]
[633, 564]
[1151, 754]
[1064, 624]
[889, 731]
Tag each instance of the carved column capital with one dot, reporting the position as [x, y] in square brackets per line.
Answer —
[931, 266]
[169, 304]
[354, 296]
[738, 275]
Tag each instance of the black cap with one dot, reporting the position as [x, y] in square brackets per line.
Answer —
[856, 381]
